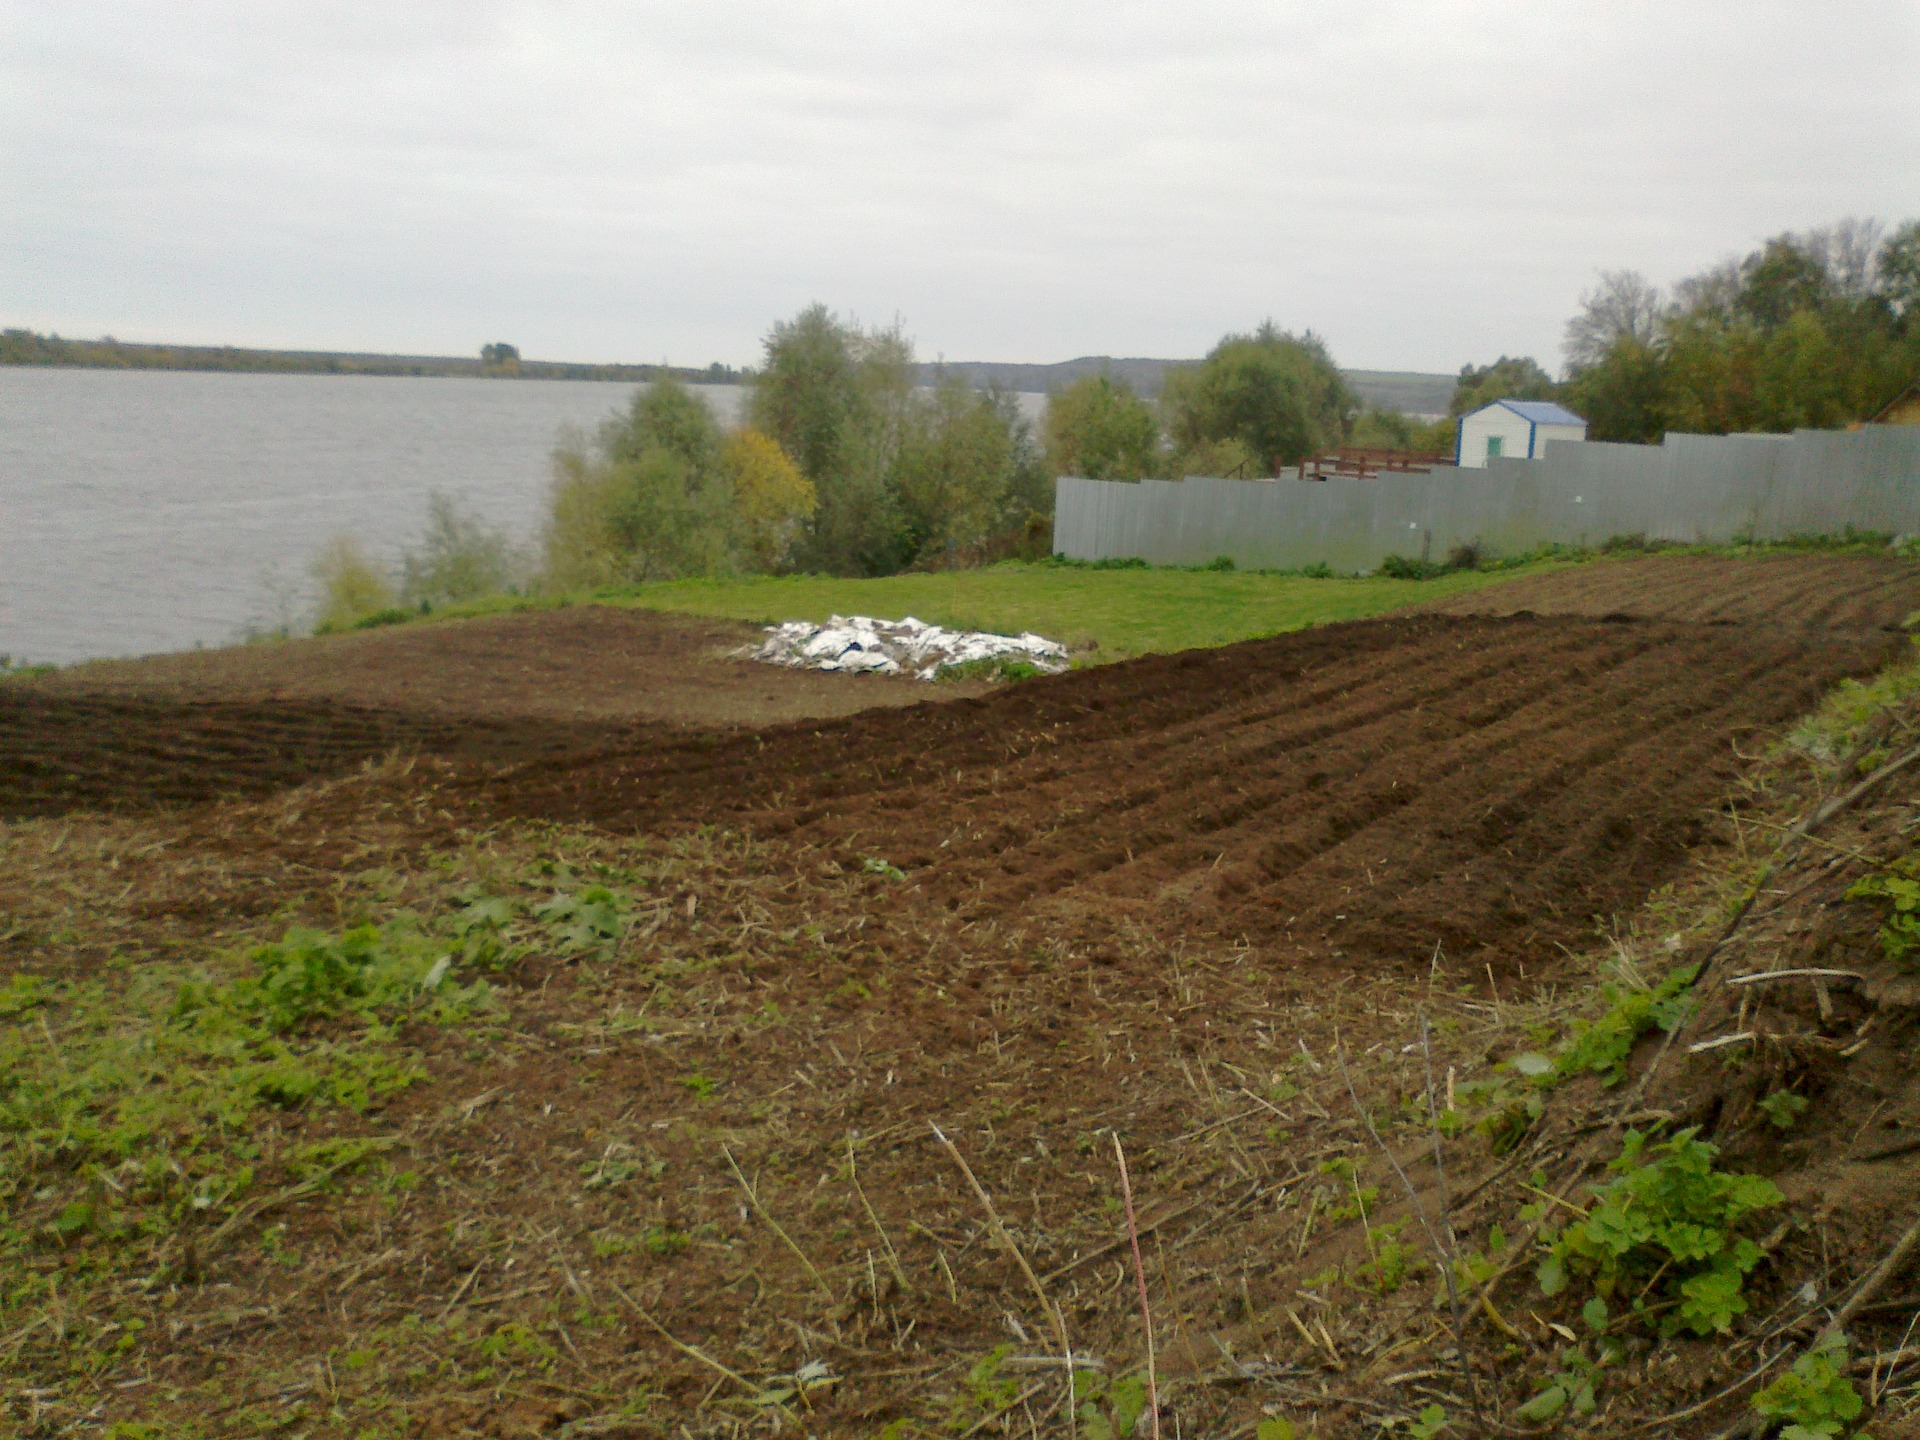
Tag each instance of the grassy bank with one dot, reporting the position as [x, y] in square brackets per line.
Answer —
[1122, 611]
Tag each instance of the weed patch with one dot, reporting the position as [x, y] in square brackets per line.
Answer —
[1670, 1217]
[1814, 1400]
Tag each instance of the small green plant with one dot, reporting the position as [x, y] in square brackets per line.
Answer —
[23, 993]
[874, 865]
[587, 922]
[663, 1241]
[1814, 1400]
[617, 1164]
[1899, 886]
[1670, 1217]
[1432, 1421]
[1570, 1388]
[1274, 1428]
[1109, 1409]
[1783, 1108]
[988, 1389]
[991, 667]
[1601, 1047]
[698, 1085]
[1392, 1260]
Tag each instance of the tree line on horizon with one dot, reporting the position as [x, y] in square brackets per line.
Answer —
[496, 361]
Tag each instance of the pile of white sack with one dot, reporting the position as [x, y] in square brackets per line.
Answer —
[890, 647]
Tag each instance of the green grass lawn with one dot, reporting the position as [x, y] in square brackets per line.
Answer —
[1127, 612]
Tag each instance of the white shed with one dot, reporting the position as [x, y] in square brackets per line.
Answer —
[1518, 429]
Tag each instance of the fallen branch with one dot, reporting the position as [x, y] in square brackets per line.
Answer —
[1866, 787]
[1739, 1037]
[1440, 1252]
[893, 1257]
[1875, 1282]
[1101, 1251]
[1632, 1102]
[1835, 977]
[1888, 1152]
[986, 1420]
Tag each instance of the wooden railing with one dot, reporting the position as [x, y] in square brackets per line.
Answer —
[1356, 463]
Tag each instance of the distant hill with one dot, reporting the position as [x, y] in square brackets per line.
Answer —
[1409, 391]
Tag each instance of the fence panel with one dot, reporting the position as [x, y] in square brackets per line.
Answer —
[1690, 488]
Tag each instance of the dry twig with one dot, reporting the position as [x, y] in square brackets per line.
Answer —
[1140, 1281]
[774, 1225]
[1001, 1233]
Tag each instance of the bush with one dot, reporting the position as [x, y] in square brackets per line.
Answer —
[1814, 1399]
[1399, 567]
[653, 503]
[351, 585]
[459, 558]
[771, 497]
[1671, 1216]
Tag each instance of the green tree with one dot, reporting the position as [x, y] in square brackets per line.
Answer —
[1279, 395]
[1812, 329]
[957, 462]
[1899, 272]
[836, 398]
[666, 415]
[1511, 377]
[1098, 428]
[651, 501]
[1781, 279]
[1619, 395]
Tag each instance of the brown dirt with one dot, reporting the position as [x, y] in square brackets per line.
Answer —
[1370, 790]
[1091, 939]
[583, 663]
[177, 729]
[1816, 591]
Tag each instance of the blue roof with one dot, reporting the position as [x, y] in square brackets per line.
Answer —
[1541, 412]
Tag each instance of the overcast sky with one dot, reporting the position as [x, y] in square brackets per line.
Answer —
[1423, 182]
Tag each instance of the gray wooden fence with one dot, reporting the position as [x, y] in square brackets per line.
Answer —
[1691, 488]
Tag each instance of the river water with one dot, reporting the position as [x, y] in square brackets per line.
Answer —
[156, 510]
[152, 510]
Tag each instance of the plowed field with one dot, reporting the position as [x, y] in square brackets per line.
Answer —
[1814, 592]
[1370, 790]
[787, 1077]
[178, 729]
[63, 752]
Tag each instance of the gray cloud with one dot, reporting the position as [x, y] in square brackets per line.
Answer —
[1422, 182]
